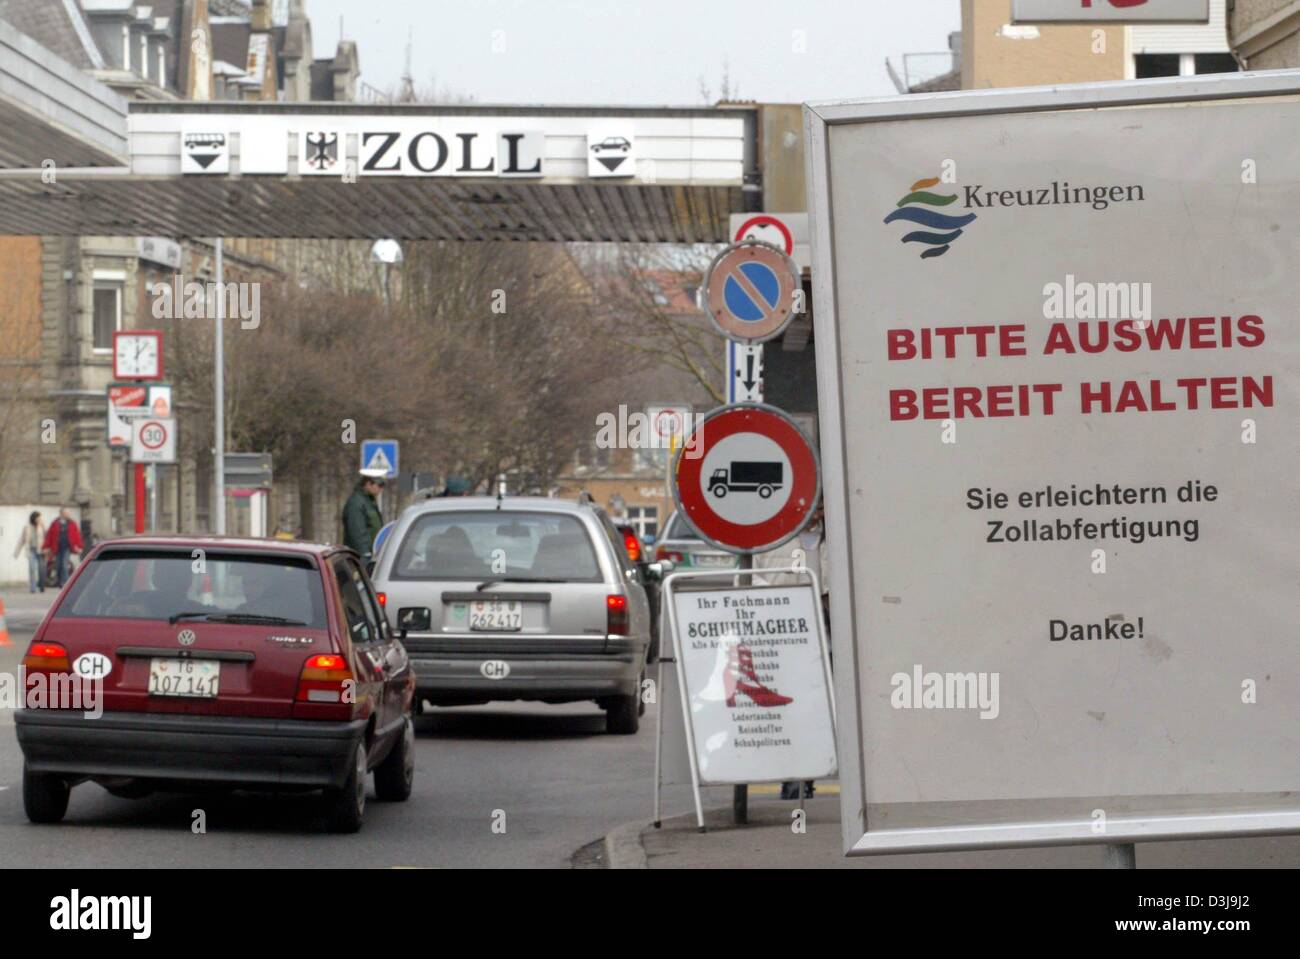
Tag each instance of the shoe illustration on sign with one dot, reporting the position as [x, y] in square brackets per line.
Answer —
[205, 152]
[610, 152]
[741, 677]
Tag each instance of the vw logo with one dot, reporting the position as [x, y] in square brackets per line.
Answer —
[185, 637]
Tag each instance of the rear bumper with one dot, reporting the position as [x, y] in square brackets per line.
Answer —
[446, 671]
[215, 749]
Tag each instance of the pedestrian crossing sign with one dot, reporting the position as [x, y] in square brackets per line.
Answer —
[379, 455]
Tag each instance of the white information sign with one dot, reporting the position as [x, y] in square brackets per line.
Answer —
[756, 683]
[1058, 389]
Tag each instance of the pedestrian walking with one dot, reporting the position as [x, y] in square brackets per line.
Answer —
[32, 540]
[63, 542]
[361, 517]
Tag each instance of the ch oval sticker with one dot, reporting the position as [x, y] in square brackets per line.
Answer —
[92, 666]
[495, 669]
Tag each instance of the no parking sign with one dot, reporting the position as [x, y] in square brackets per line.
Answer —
[749, 291]
[753, 482]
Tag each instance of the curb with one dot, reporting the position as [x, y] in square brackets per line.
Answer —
[623, 849]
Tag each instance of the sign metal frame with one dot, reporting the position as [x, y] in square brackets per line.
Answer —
[1264, 819]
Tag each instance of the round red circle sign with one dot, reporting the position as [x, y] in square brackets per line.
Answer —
[153, 435]
[747, 479]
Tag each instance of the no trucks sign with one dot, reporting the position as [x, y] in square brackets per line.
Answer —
[1059, 375]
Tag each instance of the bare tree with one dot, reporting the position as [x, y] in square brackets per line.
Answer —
[641, 291]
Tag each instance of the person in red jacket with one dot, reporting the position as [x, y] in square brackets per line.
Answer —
[63, 539]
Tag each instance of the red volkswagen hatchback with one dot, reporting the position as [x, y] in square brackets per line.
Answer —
[174, 662]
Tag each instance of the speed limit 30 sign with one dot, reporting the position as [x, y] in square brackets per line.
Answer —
[153, 439]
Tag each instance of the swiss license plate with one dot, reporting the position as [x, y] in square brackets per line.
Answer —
[191, 678]
[496, 615]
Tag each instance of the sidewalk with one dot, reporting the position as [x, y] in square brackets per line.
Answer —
[769, 842]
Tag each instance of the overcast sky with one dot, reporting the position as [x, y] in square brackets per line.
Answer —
[636, 51]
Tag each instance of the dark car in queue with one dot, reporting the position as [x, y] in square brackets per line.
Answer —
[519, 598]
[651, 574]
[243, 663]
[683, 547]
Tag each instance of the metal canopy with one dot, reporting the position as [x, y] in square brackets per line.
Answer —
[433, 209]
[51, 112]
[689, 170]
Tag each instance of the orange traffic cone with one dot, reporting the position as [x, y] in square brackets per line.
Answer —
[4, 626]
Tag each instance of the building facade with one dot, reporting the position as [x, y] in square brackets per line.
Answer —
[64, 297]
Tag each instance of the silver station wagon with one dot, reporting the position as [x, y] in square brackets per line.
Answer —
[518, 598]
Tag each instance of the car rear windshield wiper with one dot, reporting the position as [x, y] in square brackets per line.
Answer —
[253, 618]
[189, 614]
[515, 579]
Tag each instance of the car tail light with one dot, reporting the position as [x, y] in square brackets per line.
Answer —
[632, 545]
[383, 598]
[669, 554]
[324, 679]
[50, 656]
[616, 609]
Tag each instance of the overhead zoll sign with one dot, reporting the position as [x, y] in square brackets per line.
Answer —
[1059, 376]
[1113, 11]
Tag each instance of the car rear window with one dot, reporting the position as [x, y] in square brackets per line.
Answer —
[497, 543]
[156, 584]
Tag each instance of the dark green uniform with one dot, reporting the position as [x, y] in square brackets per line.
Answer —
[361, 522]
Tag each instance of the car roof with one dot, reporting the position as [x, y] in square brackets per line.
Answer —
[538, 504]
[301, 547]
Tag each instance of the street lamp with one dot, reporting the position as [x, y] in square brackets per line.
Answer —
[386, 251]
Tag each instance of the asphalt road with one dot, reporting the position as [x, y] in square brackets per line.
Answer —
[558, 780]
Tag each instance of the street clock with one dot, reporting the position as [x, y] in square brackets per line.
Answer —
[137, 355]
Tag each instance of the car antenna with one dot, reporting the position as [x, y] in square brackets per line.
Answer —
[498, 496]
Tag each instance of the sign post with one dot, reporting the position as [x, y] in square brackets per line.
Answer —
[1059, 449]
[750, 484]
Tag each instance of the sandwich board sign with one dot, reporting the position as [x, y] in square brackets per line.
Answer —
[1057, 398]
[751, 674]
